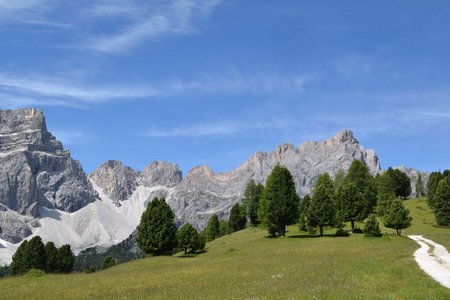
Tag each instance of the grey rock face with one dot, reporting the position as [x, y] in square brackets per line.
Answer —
[36, 170]
[161, 173]
[202, 192]
[116, 180]
[119, 181]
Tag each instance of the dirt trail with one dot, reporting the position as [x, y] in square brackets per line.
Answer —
[433, 258]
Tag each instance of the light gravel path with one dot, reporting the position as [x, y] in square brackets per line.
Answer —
[434, 259]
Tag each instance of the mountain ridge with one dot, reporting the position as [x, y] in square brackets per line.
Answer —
[118, 194]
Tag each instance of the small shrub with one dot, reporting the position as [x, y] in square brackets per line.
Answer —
[372, 227]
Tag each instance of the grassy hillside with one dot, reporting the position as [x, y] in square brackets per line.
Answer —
[246, 265]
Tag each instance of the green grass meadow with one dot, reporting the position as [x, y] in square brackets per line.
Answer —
[247, 265]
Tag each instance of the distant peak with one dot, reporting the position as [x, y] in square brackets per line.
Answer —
[285, 148]
[345, 136]
[202, 169]
[112, 163]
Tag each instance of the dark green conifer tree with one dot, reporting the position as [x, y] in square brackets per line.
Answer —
[251, 199]
[442, 203]
[385, 192]
[322, 211]
[372, 227]
[397, 216]
[224, 228]
[157, 229]
[66, 259]
[433, 181]
[212, 230]
[350, 204]
[237, 219]
[19, 264]
[35, 254]
[401, 182]
[187, 237]
[359, 174]
[279, 201]
[51, 253]
[303, 211]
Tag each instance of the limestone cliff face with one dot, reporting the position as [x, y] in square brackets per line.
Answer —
[35, 172]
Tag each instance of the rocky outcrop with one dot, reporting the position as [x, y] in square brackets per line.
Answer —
[36, 172]
[117, 180]
[161, 173]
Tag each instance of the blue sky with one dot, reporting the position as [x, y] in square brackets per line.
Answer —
[212, 81]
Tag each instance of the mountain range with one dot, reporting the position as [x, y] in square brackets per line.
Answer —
[44, 192]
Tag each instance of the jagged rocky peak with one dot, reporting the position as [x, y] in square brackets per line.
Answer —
[161, 173]
[36, 170]
[117, 180]
[344, 136]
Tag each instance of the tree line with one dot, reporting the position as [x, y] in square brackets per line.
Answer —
[438, 192]
[33, 254]
[348, 197]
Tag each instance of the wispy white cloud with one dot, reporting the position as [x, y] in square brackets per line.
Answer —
[222, 129]
[125, 24]
[28, 90]
[178, 17]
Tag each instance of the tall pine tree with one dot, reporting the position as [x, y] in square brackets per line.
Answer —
[157, 230]
[279, 201]
[351, 204]
[212, 230]
[442, 203]
[385, 192]
[359, 174]
[252, 195]
[433, 181]
[237, 219]
[321, 211]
